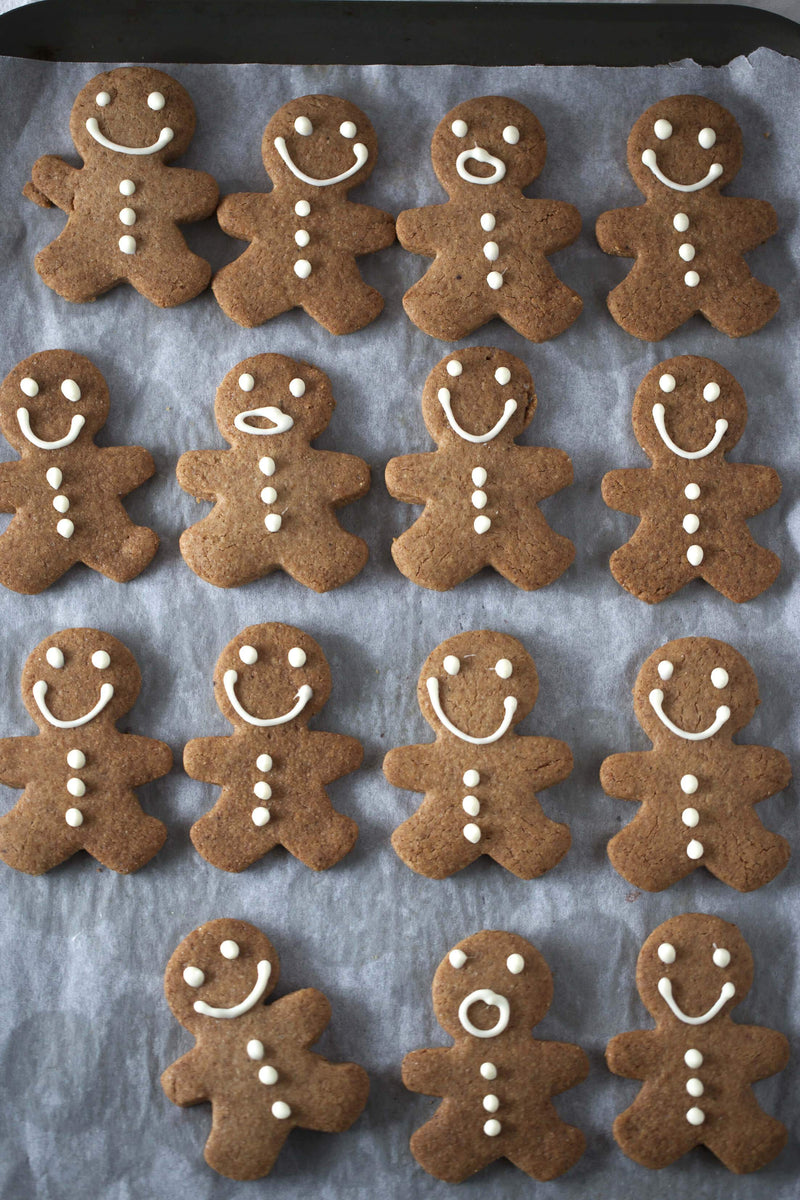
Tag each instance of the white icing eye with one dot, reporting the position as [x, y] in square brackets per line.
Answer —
[454, 367]
[721, 957]
[101, 659]
[460, 128]
[666, 953]
[70, 390]
[444, 395]
[711, 391]
[29, 387]
[662, 129]
[297, 657]
[515, 963]
[719, 677]
[667, 383]
[457, 959]
[297, 388]
[102, 99]
[511, 135]
[707, 138]
[229, 949]
[502, 375]
[248, 655]
[193, 976]
[303, 126]
[156, 101]
[55, 657]
[347, 129]
[665, 669]
[451, 664]
[505, 670]
[246, 383]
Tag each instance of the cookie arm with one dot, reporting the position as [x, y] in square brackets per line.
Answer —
[413, 478]
[19, 759]
[753, 220]
[242, 215]
[202, 473]
[759, 1052]
[206, 759]
[53, 183]
[761, 771]
[626, 490]
[416, 228]
[563, 1063]
[624, 776]
[428, 1071]
[370, 229]
[184, 1082]
[335, 754]
[190, 195]
[620, 231]
[559, 223]
[342, 477]
[548, 470]
[299, 1018]
[9, 494]
[125, 467]
[634, 1055]
[754, 488]
[145, 758]
[409, 767]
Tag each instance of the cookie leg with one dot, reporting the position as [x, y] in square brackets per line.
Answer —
[450, 1148]
[748, 855]
[432, 840]
[72, 267]
[28, 562]
[527, 844]
[643, 307]
[654, 1145]
[429, 555]
[339, 299]
[214, 552]
[640, 567]
[743, 308]
[532, 556]
[329, 557]
[650, 852]
[172, 273]
[235, 1141]
[439, 305]
[123, 838]
[250, 291]
[547, 1152]
[34, 837]
[124, 550]
[747, 1141]
[332, 1096]
[743, 570]
[313, 831]
[227, 837]
[541, 312]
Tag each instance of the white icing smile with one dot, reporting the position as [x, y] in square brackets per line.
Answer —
[40, 691]
[263, 971]
[714, 171]
[478, 154]
[656, 699]
[303, 696]
[75, 426]
[281, 420]
[477, 439]
[495, 1000]
[509, 704]
[720, 429]
[164, 139]
[665, 991]
[359, 150]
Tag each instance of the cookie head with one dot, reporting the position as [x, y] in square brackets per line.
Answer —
[478, 396]
[694, 689]
[491, 984]
[52, 400]
[684, 145]
[487, 141]
[130, 115]
[688, 409]
[319, 142]
[476, 686]
[271, 675]
[79, 677]
[693, 968]
[219, 972]
[270, 395]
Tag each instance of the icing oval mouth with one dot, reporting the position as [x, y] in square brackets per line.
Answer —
[650, 160]
[723, 713]
[720, 429]
[263, 972]
[477, 439]
[281, 421]
[494, 1000]
[478, 154]
[359, 150]
[509, 704]
[40, 692]
[229, 681]
[665, 991]
[75, 426]
[164, 138]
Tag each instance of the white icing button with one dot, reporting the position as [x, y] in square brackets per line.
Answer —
[280, 1108]
[193, 976]
[268, 1075]
[55, 657]
[255, 1049]
[266, 465]
[693, 1059]
[74, 817]
[711, 391]
[721, 957]
[454, 368]
[494, 280]
[491, 251]
[302, 208]
[61, 504]
[101, 659]
[273, 522]
[297, 388]
[471, 805]
[695, 555]
[515, 963]
[65, 527]
[302, 268]
[127, 216]
[491, 1103]
[264, 762]
[503, 376]
[262, 790]
[492, 1127]
[472, 833]
[667, 383]
[260, 816]
[680, 222]
[460, 128]
[686, 251]
[479, 476]
[689, 784]
[488, 1071]
[127, 187]
[479, 499]
[29, 387]
[471, 778]
[695, 1116]
[229, 949]
[488, 222]
[691, 279]
[692, 491]
[54, 477]
[302, 237]
[127, 244]
[246, 382]
[695, 849]
[690, 817]
[269, 495]
[76, 759]
[511, 135]
[248, 655]
[694, 1086]
[481, 524]
[76, 787]
[457, 958]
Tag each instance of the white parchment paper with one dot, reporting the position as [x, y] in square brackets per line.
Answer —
[85, 1029]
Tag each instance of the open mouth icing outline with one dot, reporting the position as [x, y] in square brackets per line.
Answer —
[720, 429]
[359, 150]
[650, 160]
[478, 154]
[509, 704]
[304, 694]
[263, 972]
[164, 138]
[281, 420]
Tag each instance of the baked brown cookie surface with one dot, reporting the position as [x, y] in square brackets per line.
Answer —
[489, 241]
[478, 776]
[125, 204]
[687, 238]
[697, 1065]
[688, 413]
[79, 772]
[269, 681]
[252, 1061]
[496, 1082]
[305, 235]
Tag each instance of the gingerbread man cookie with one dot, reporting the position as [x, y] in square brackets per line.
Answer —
[490, 241]
[688, 413]
[697, 1065]
[481, 490]
[276, 497]
[479, 777]
[496, 1081]
[697, 787]
[269, 681]
[687, 238]
[305, 235]
[251, 1060]
[79, 773]
[125, 204]
[65, 490]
